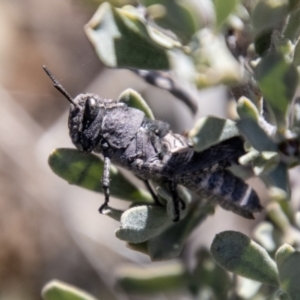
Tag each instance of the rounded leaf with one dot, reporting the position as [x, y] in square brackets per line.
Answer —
[237, 253]
[140, 223]
[288, 262]
[246, 109]
[134, 99]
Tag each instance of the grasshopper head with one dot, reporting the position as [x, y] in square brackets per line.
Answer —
[85, 119]
[86, 114]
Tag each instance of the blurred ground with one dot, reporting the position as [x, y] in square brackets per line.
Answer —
[49, 229]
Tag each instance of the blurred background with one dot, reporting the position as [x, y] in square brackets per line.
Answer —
[49, 229]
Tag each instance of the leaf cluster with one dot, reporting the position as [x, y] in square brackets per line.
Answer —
[253, 47]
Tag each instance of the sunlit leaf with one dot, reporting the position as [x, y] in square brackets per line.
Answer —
[246, 109]
[57, 290]
[121, 38]
[134, 99]
[140, 223]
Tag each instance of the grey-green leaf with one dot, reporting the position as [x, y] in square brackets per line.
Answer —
[57, 290]
[256, 135]
[246, 109]
[209, 131]
[237, 253]
[279, 178]
[278, 80]
[85, 170]
[121, 38]
[288, 262]
[134, 99]
[140, 223]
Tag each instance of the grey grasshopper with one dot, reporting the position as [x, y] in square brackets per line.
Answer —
[148, 148]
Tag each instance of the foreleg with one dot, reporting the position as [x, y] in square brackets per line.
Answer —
[105, 183]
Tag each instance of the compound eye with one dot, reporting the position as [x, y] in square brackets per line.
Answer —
[91, 102]
[90, 110]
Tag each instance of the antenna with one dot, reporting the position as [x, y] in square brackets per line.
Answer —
[59, 87]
